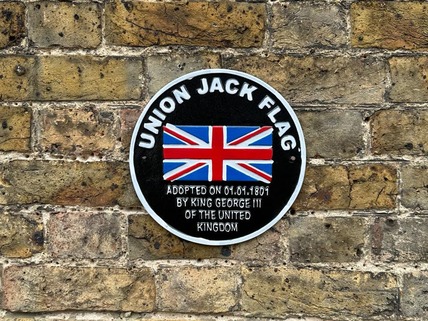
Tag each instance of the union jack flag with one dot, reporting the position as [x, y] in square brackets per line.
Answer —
[217, 153]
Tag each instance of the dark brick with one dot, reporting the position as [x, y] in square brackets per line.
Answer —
[12, 23]
[333, 239]
[84, 235]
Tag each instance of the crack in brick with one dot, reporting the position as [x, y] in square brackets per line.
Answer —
[379, 194]
[253, 297]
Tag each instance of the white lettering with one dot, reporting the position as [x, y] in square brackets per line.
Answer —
[248, 91]
[200, 201]
[180, 95]
[153, 125]
[282, 127]
[272, 114]
[286, 141]
[182, 201]
[266, 102]
[148, 141]
[217, 227]
[204, 89]
[167, 105]
[188, 214]
[229, 84]
[234, 215]
[158, 113]
[233, 202]
[216, 85]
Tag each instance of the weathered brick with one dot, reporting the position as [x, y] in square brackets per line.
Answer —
[324, 187]
[84, 235]
[354, 80]
[198, 289]
[14, 317]
[66, 183]
[88, 78]
[400, 240]
[15, 130]
[271, 291]
[409, 77]
[398, 132]
[299, 24]
[12, 23]
[163, 69]
[344, 128]
[268, 247]
[1, 287]
[16, 77]
[21, 235]
[149, 241]
[80, 25]
[415, 187]
[128, 119]
[47, 288]
[373, 187]
[39, 317]
[389, 24]
[77, 131]
[231, 24]
[331, 239]
[353, 187]
[414, 302]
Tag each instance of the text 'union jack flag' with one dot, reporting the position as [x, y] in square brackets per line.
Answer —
[217, 153]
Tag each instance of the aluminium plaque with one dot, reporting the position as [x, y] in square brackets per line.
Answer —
[217, 157]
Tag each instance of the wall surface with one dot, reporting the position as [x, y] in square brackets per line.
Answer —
[75, 244]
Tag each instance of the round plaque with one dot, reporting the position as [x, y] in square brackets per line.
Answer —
[217, 157]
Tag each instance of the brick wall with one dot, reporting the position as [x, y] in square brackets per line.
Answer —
[76, 245]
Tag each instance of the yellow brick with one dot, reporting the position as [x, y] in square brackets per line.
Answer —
[215, 24]
[66, 183]
[89, 78]
[324, 187]
[15, 128]
[355, 187]
[12, 23]
[389, 24]
[373, 187]
[50, 288]
[318, 79]
[16, 77]
[20, 235]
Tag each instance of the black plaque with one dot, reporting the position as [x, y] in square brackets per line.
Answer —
[217, 157]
